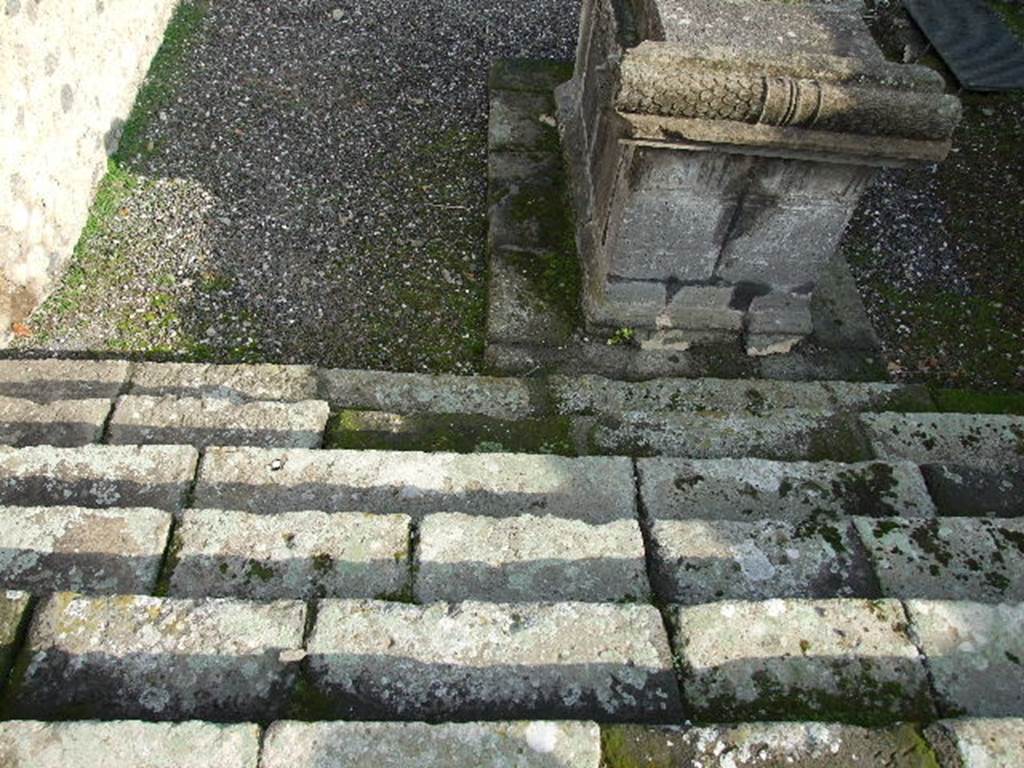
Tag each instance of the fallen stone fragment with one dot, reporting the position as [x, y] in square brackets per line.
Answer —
[980, 440]
[128, 744]
[755, 489]
[45, 381]
[833, 660]
[217, 421]
[700, 561]
[97, 476]
[978, 742]
[108, 551]
[300, 555]
[159, 659]
[529, 558]
[13, 610]
[235, 383]
[947, 558]
[60, 422]
[596, 490]
[975, 655]
[375, 660]
[536, 744]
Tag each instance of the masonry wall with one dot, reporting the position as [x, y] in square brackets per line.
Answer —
[69, 72]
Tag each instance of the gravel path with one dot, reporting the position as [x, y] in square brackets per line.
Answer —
[312, 189]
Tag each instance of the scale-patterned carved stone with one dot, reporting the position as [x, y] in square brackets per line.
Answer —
[109, 551]
[528, 558]
[537, 744]
[237, 383]
[60, 422]
[375, 660]
[128, 744]
[978, 742]
[97, 476]
[597, 489]
[975, 655]
[955, 438]
[159, 659]
[289, 555]
[842, 660]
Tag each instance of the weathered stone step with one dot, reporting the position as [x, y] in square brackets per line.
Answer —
[235, 383]
[987, 441]
[45, 381]
[97, 476]
[58, 422]
[593, 489]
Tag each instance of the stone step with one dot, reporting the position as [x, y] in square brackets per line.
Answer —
[235, 383]
[46, 381]
[593, 489]
[58, 422]
[985, 441]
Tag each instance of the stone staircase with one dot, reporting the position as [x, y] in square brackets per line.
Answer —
[283, 566]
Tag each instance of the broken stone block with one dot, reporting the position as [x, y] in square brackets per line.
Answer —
[236, 383]
[63, 423]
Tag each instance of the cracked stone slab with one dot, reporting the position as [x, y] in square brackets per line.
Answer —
[784, 436]
[45, 381]
[235, 383]
[217, 421]
[128, 744]
[754, 489]
[13, 610]
[376, 660]
[97, 476]
[844, 660]
[947, 558]
[224, 553]
[763, 745]
[975, 654]
[594, 489]
[62, 423]
[159, 658]
[964, 490]
[978, 742]
[529, 558]
[957, 438]
[499, 398]
[536, 744]
[108, 551]
[700, 561]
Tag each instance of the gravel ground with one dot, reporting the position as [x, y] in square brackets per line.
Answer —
[305, 183]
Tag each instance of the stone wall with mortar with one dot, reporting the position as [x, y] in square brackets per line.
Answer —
[69, 73]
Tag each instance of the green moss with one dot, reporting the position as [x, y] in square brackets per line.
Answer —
[969, 401]
[532, 75]
[840, 440]
[322, 563]
[310, 703]
[254, 569]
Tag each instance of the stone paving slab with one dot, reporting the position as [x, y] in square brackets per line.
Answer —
[97, 476]
[499, 398]
[947, 558]
[764, 745]
[517, 121]
[956, 438]
[975, 655]
[964, 490]
[235, 383]
[840, 660]
[594, 489]
[535, 744]
[217, 421]
[60, 422]
[221, 553]
[595, 394]
[700, 561]
[375, 660]
[45, 381]
[128, 744]
[784, 436]
[159, 658]
[529, 558]
[13, 610]
[754, 489]
[978, 742]
[108, 551]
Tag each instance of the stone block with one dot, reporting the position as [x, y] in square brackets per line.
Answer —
[700, 561]
[978, 440]
[777, 322]
[62, 423]
[13, 612]
[975, 653]
[947, 558]
[373, 660]
[960, 489]
[98, 476]
[844, 660]
[128, 744]
[628, 303]
[707, 307]
[108, 551]
[159, 659]
[302, 555]
[522, 307]
[217, 421]
[978, 742]
[522, 121]
[536, 744]
[529, 559]
[44, 381]
[235, 383]
[753, 489]
[593, 489]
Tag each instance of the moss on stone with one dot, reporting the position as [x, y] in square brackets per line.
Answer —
[972, 401]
